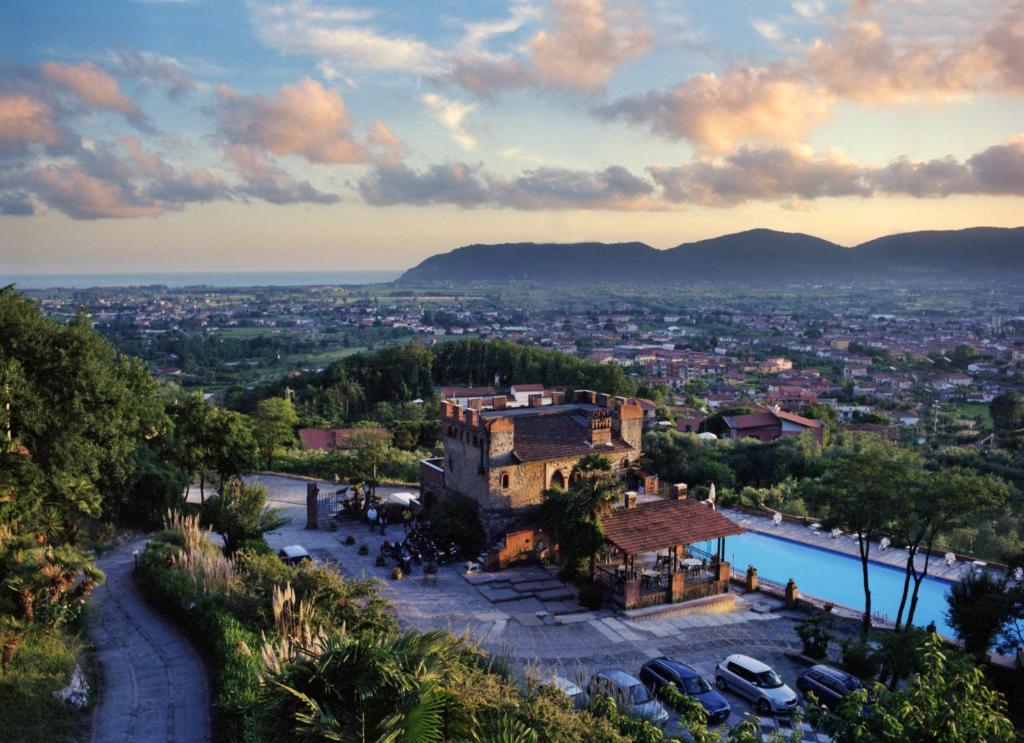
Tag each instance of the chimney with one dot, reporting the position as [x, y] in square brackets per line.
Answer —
[605, 401]
[629, 498]
[456, 411]
[470, 417]
[535, 400]
[678, 491]
[475, 403]
[446, 409]
[498, 402]
[557, 397]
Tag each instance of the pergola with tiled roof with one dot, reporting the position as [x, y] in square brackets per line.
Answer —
[663, 524]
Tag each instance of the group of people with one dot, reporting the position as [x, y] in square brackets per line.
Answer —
[381, 518]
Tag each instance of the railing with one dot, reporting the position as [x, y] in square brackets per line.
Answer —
[704, 589]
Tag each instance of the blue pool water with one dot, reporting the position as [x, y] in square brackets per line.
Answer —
[835, 577]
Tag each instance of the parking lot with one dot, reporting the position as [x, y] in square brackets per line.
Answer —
[537, 640]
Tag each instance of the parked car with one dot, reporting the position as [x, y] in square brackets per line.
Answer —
[629, 693]
[829, 685]
[576, 695]
[660, 672]
[294, 554]
[757, 682]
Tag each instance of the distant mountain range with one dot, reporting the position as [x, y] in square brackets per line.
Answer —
[751, 256]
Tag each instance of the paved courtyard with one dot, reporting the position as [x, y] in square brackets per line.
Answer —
[545, 636]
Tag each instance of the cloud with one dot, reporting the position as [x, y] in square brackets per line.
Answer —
[339, 34]
[16, 204]
[773, 173]
[468, 186]
[24, 120]
[264, 180]
[450, 114]
[586, 42]
[560, 188]
[716, 113]
[155, 68]
[448, 183]
[303, 119]
[70, 189]
[860, 61]
[583, 44]
[91, 85]
[797, 175]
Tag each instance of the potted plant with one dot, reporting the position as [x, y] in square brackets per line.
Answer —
[396, 574]
[350, 540]
[364, 550]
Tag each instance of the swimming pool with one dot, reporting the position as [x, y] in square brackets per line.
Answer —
[835, 577]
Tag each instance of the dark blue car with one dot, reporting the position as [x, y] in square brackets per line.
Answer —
[659, 672]
[829, 685]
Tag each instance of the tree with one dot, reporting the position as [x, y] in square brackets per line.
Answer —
[239, 512]
[863, 490]
[948, 701]
[374, 686]
[979, 607]
[230, 448]
[1007, 411]
[936, 502]
[274, 425]
[573, 516]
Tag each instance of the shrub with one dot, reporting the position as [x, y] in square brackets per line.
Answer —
[257, 546]
[396, 574]
[380, 561]
[350, 540]
[364, 550]
[859, 657]
[456, 518]
[813, 632]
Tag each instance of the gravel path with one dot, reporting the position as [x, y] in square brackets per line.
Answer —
[155, 686]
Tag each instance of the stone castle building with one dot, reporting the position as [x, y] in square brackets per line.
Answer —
[504, 458]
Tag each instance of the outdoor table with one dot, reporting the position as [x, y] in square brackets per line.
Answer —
[651, 576]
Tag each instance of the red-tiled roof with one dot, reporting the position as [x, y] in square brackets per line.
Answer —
[657, 525]
[527, 388]
[751, 420]
[798, 419]
[559, 435]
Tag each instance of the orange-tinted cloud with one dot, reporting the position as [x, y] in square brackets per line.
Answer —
[585, 43]
[303, 119]
[78, 194]
[25, 119]
[91, 85]
[716, 113]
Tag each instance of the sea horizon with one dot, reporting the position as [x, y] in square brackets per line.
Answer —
[180, 279]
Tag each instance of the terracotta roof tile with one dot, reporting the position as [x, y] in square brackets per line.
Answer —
[657, 525]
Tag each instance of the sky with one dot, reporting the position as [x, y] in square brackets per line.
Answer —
[178, 135]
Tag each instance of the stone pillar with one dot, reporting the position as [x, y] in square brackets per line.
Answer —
[311, 510]
[792, 594]
[752, 581]
[630, 594]
[677, 586]
[724, 571]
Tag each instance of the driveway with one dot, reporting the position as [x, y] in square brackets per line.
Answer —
[155, 688]
[539, 642]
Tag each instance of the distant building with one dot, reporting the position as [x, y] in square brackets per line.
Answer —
[461, 394]
[339, 439]
[775, 365]
[770, 425]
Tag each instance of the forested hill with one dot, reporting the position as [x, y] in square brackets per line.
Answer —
[357, 384]
[751, 256]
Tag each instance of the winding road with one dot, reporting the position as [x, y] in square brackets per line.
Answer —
[155, 687]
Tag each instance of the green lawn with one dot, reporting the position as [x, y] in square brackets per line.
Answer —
[976, 410]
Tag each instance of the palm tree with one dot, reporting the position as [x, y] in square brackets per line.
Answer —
[374, 687]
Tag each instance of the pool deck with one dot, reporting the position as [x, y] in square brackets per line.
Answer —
[846, 544]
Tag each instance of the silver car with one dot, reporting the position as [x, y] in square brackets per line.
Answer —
[757, 682]
[629, 693]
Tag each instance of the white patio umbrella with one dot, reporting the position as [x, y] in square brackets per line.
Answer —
[712, 496]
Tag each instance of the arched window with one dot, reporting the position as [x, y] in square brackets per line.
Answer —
[625, 462]
[558, 480]
[504, 480]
